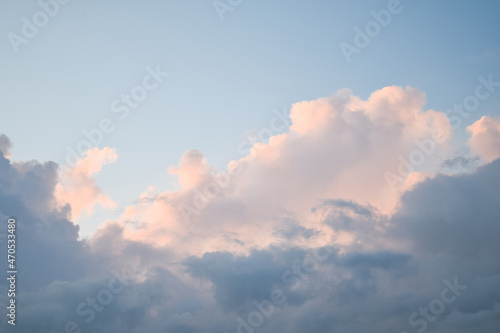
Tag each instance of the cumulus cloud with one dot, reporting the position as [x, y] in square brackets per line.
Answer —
[336, 147]
[485, 138]
[27, 194]
[192, 169]
[77, 186]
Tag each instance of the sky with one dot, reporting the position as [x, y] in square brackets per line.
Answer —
[208, 147]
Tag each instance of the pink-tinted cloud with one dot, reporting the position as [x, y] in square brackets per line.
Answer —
[341, 146]
[338, 147]
[485, 138]
[77, 186]
[192, 169]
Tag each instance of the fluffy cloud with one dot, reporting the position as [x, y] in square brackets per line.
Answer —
[336, 147]
[77, 186]
[485, 138]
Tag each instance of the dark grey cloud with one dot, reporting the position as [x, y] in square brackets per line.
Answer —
[238, 280]
[461, 163]
[454, 214]
[290, 229]
[350, 205]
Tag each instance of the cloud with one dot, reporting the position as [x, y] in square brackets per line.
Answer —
[27, 194]
[342, 146]
[461, 211]
[5, 145]
[336, 147]
[485, 138]
[77, 186]
[192, 169]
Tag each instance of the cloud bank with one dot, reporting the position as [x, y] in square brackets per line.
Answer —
[302, 233]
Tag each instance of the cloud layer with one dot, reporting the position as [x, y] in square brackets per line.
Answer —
[302, 233]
